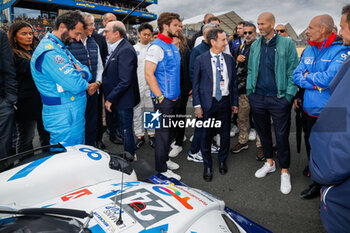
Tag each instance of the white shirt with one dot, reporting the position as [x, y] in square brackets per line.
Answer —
[154, 54]
[223, 84]
[201, 38]
[224, 88]
[198, 41]
[141, 51]
[99, 63]
[112, 47]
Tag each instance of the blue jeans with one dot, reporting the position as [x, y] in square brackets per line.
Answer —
[125, 119]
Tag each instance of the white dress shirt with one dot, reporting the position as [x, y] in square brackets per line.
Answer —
[224, 73]
[112, 47]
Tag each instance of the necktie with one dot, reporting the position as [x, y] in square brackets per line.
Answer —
[109, 54]
[218, 94]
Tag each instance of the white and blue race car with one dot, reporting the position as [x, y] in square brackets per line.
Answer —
[83, 189]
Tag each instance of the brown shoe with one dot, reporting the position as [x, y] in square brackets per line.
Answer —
[237, 148]
[260, 154]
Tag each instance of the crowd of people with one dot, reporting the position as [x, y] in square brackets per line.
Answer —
[76, 83]
[114, 4]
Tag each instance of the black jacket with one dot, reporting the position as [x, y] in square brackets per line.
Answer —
[194, 37]
[242, 68]
[29, 105]
[8, 83]
[185, 82]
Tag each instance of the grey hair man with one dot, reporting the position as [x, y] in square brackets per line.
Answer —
[120, 85]
[200, 32]
[281, 30]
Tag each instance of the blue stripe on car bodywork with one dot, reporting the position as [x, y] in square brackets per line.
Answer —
[28, 169]
[162, 228]
[247, 224]
[47, 206]
[97, 229]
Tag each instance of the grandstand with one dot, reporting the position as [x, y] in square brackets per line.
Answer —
[51, 8]
[229, 20]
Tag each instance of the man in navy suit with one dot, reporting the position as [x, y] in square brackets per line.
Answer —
[215, 95]
[119, 80]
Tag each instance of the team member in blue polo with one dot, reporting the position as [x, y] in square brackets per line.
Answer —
[62, 81]
[162, 71]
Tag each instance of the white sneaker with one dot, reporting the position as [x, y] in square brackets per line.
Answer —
[252, 135]
[234, 131]
[172, 165]
[175, 151]
[191, 138]
[286, 186]
[171, 174]
[217, 139]
[264, 170]
[173, 143]
[197, 157]
[214, 149]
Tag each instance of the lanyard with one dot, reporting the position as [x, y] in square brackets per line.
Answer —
[220, 68]
[243, 51]
[88, 55]
[64, 49]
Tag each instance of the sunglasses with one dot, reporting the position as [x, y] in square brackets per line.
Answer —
[281, 31]
[245, 33]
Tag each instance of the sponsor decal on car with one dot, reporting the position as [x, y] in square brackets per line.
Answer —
[126, 186]
[171, 191]
[107, 217]
[154, 211]
[76, 195]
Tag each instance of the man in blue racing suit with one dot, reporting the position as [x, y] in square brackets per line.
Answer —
[62, 81]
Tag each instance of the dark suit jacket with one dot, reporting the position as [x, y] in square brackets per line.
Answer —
[119, 77]
[8, 82]
[202, 86]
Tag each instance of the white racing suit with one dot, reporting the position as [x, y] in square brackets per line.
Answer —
[145, 95]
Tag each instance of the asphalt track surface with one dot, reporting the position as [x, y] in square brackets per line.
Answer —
[258, 199]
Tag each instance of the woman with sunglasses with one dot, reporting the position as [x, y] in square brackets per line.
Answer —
[29, 106]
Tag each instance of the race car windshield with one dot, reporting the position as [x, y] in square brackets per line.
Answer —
[27, 156]
[48, 220]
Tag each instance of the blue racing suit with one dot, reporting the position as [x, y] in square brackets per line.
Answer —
[62, 90]
[321, 66]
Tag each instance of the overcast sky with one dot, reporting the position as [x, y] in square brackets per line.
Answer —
[296, 12]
